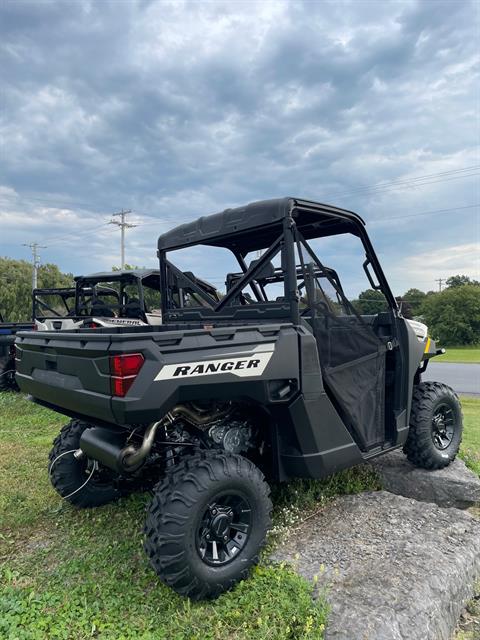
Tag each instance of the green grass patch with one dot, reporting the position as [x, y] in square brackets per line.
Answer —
[71, 574]
[77, 574]
[470, 449]
[469, 625]
[460, 354]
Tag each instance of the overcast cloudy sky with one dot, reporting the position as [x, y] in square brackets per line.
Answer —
[180, 109]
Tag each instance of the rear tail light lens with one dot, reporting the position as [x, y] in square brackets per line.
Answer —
[120, 386]
[124, 369]
[128, 364]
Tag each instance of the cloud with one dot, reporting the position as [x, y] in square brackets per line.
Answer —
[426, 267]
[178, 109]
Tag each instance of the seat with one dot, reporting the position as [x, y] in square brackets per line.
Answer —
[133, 309]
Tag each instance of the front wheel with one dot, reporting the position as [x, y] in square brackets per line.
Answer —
[207, 523]
[435, 426]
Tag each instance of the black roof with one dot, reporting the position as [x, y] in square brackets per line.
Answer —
[61, 291]
[256, 225]
[108, 276]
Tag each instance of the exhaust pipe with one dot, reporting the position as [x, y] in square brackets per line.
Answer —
[133, 458]
[108, 447]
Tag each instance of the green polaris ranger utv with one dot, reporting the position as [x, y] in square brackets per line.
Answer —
[270, 372]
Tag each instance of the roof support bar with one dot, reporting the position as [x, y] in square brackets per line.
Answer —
[253, 285]
[253, 270]
[180, 275]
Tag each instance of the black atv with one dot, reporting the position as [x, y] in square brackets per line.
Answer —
[279, 375]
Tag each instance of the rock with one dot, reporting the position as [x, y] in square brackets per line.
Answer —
[393, 568]
[453, 486]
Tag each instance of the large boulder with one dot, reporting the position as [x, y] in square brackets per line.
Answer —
[393, 568]
[453, 486]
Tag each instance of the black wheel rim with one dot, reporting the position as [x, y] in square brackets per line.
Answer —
[443, 426]
[224, 528]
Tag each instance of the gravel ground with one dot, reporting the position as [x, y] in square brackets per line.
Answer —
[395, 568]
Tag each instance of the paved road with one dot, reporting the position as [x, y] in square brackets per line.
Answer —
[464, 378]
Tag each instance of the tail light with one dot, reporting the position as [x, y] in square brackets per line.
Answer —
[124, 369]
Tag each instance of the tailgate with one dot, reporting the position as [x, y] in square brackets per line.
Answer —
[68, 370]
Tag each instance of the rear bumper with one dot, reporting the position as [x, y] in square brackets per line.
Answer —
[65, 394]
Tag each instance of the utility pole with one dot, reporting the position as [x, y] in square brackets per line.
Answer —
[123, 225]
[34, 246]
[440, 282]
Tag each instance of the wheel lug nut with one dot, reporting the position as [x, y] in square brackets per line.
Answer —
[225, 537]
[208, 536]
[214, 512]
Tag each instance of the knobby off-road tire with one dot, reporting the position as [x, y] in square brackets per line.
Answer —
[7, 376]
[435, 426]
[189, 514]
[68, 473]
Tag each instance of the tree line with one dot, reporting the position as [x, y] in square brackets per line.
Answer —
[16, 286]
[452, 315]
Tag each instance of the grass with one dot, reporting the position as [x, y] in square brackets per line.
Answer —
[70, 574]
[460, 355]
[469, 625]
[470, 450]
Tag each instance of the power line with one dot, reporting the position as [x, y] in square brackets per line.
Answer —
[70, 236]
[465, 172]
[425, 213]
[34, 246]
[123, 225]
[444, 176]
[415, 181]
[440, 282]
[409, 215]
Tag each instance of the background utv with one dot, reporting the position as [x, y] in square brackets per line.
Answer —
[278, 376]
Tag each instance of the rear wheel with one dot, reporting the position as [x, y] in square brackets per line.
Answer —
[435, 426]
[207, 523]
[81, 481]
[7, 375]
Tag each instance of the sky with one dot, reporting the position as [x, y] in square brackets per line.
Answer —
[180, 109]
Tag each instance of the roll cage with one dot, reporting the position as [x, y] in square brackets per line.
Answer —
[93, 292]
[280, 227]
[42, 304]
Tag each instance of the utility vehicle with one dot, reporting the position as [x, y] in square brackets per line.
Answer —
[110, 298]
[107, 299]
[275, 376]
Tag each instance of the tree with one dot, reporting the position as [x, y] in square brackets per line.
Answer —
[16, 286]
[412, 302]
[453, 316]
[459, 281]
[370, 302]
